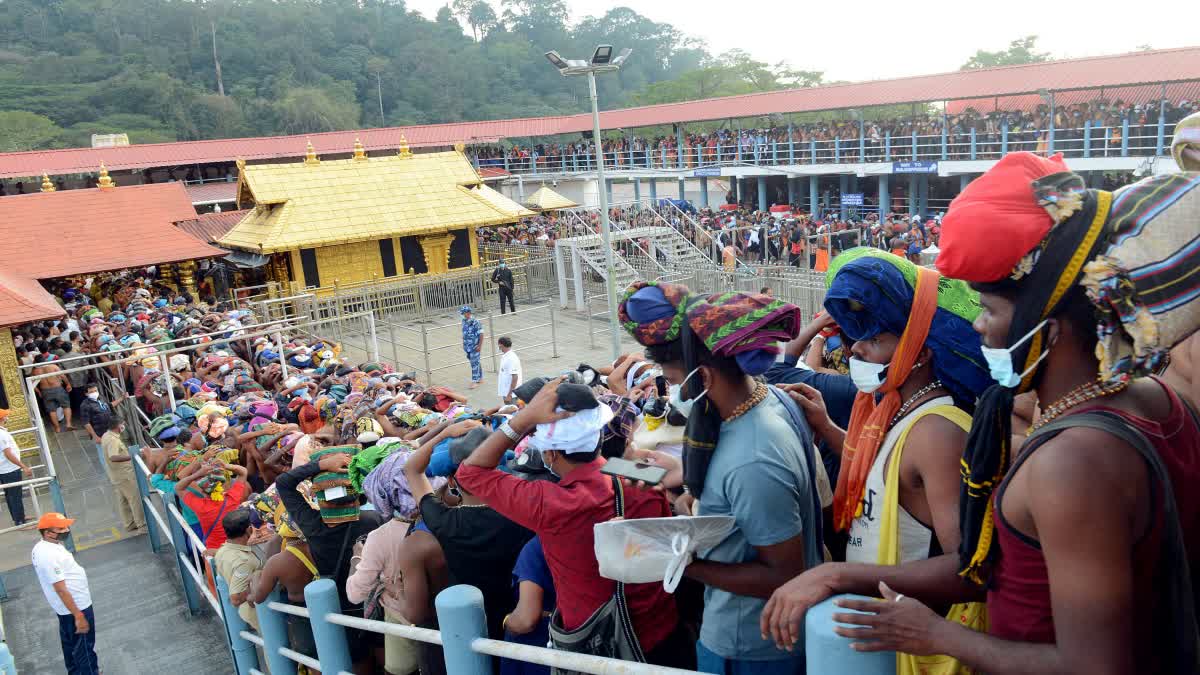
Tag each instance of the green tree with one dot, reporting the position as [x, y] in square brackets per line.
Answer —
[1020, 51]
[20, 130]
[148, 67]
[482, 18]
[306, 110]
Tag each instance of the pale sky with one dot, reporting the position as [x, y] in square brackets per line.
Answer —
[873, 39]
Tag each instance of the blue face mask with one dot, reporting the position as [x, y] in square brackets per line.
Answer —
[1000, 360]
[674, 396]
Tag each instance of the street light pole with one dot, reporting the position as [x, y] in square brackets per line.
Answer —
[610, 283]
[602, 61]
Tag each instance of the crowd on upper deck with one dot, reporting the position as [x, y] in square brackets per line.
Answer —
[1027, 129]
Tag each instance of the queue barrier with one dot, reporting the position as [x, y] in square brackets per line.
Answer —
[460, 614]
[460, 611]
[426, 334]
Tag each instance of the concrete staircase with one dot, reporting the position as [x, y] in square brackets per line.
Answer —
[590, 250]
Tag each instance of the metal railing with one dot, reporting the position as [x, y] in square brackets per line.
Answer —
[420, 297]
[425, 340]
[1128, 139]
[460, 611]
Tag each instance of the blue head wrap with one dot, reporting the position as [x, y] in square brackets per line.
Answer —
[870, 295]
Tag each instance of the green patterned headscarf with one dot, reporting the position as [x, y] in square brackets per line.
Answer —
[871, 292]
[954, 296]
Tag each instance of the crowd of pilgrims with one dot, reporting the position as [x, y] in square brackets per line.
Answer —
[1027, 129]
[793, 237]
[986, 451]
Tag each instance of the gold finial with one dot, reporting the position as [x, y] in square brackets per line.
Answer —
[47, 186]
[360, 153]
[310, 155]
[105, 182]
[240, 164]
[459, 147]
[404, 151]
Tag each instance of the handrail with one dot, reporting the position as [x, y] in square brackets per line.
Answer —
[796, 149]
[279, 327]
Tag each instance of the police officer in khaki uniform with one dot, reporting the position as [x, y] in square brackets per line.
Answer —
[237, 562]
[120, 473]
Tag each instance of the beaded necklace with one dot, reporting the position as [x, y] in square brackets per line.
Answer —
[1082, 394]
[760, 392]
[936, 384]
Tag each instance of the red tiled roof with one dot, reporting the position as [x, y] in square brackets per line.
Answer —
[211, 193]
[55, 234]
[23, 300]
[209, 227]
[1165, 65]
[492, 173]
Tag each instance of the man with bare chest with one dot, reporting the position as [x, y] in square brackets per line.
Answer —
[1181, 373]
[55, 394]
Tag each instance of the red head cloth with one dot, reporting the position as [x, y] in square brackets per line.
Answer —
[996, 220]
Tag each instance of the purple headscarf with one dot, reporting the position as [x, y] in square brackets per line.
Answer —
[386, 487]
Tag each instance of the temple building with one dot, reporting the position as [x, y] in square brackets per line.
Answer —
[327, 224]
[56, 234]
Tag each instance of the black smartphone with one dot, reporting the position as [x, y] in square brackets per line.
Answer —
[635, 471]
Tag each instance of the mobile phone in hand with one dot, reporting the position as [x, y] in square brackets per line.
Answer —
[635, 471]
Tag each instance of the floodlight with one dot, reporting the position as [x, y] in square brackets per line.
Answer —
[603, 55]
[557, 60]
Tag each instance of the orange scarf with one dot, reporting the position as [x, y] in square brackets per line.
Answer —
[868, 420]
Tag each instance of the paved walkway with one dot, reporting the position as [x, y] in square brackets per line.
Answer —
[142, 622]
[87, 493]
[531, 333]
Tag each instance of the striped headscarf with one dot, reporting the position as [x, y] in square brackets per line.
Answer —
[340, 509]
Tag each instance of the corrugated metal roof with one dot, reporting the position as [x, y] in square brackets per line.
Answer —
[298, 205]
[1165, 65]
[209, 227]
[212, 193]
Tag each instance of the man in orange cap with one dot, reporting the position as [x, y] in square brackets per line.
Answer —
[12, 470]
[65, 585]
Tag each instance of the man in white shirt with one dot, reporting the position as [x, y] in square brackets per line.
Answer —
[65, 585]
[12, 470]
[510, 370]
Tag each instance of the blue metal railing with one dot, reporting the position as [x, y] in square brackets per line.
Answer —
[459, 610]
[1087, 141]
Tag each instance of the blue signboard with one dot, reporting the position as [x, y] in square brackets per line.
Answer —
[852, 199]
[917, 166]
[707, 171]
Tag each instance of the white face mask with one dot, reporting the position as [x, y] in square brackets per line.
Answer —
[867, 376]
[1000, 360]
[674, 396]
[93, 395]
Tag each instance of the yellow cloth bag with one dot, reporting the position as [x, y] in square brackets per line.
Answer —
[973, 615]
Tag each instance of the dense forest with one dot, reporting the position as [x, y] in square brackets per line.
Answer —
[163, 70]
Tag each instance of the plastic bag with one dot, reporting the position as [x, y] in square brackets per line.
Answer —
[645, 550]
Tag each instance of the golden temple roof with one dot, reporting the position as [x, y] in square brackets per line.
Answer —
[308, 205]
[546, 199]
